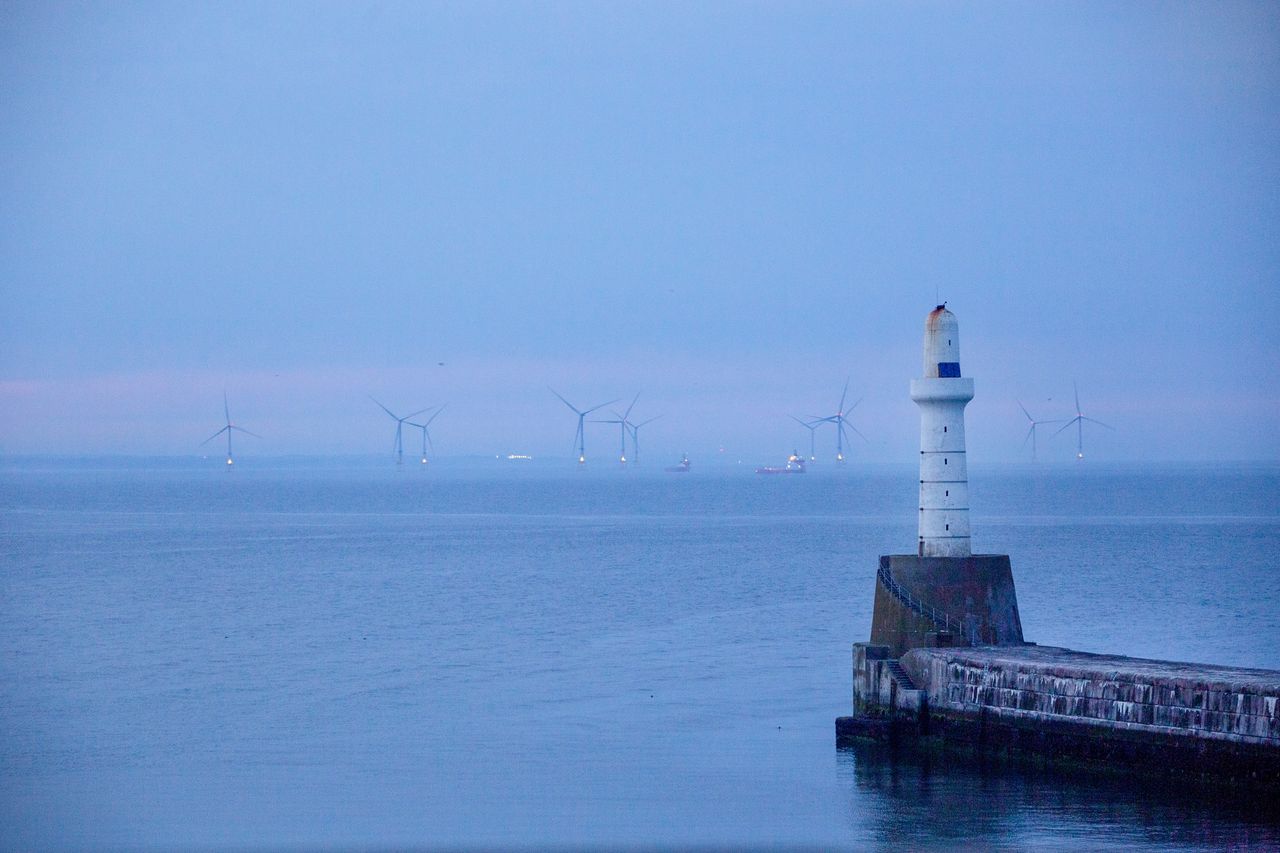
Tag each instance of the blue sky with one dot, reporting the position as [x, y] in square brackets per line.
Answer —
[728, 207]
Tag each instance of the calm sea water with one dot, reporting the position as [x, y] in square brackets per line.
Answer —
[483, 654]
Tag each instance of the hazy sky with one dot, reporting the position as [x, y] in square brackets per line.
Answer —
[729, 207]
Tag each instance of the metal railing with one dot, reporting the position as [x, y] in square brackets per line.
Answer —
[940, 620]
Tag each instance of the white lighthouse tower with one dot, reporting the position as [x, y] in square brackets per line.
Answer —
[944, 474]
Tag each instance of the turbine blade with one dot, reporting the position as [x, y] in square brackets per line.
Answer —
[1068, 424]
[415, 414]
[843, 394]
[436, 415]
[1030, 430]
[1077, 390]
[855, 405]
[1099, 423]
[215, 435]
[243, 430]
[1025, 412]
[860, 435]
[632, 406]
[226, 409]
[384, 408]
[642, 423]
[563, 400]
[601, 406]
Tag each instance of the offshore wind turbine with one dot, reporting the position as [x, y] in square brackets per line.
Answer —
[398, 446]
[622, 422]
[580, 437]
[1079, 420]
[228, 429]
[426, 433]
[635, 438]
[841, 420]
[812, 427]
[1031, 431]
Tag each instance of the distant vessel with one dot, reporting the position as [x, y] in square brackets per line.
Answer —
[795, 465]
[518, 457]
[682, 468]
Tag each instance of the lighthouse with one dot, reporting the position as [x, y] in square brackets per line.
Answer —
[942, 393]
[943, 594]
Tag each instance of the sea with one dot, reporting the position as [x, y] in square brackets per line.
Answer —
[480, 653]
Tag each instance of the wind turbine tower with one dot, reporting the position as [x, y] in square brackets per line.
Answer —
[1079, 420]
[398, 446]
[580, 437]
[228, 429]
[426, 433]
[635, 438]
[1031, 431]
[841, 420]
[623, 423]
[812, 427]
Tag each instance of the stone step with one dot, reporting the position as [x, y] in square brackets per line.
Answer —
[900, 675]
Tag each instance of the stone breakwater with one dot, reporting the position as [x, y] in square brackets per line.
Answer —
[1209, 701]
[1216, 723]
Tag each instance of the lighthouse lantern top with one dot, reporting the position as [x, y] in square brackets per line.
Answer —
[941, 344]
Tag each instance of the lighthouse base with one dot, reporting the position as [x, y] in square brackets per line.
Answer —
[930, 602]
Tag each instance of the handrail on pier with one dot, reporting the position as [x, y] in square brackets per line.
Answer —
[942, 621]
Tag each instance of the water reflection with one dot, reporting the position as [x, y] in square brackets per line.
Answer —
[911, 799]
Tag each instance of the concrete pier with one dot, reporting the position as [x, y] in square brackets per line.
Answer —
[1183, 721]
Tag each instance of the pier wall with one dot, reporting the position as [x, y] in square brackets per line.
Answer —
[1172, 719]
[1044, 682]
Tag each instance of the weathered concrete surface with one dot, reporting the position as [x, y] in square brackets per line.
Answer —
[976, 591]
[881, 688]
[1209, 701]
[1178, 720]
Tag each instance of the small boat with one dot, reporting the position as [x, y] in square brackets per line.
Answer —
[795, 465]
[682, 468]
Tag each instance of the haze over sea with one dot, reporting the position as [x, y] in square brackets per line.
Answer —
[488, 653]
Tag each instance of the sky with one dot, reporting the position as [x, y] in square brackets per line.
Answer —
[728, 208]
